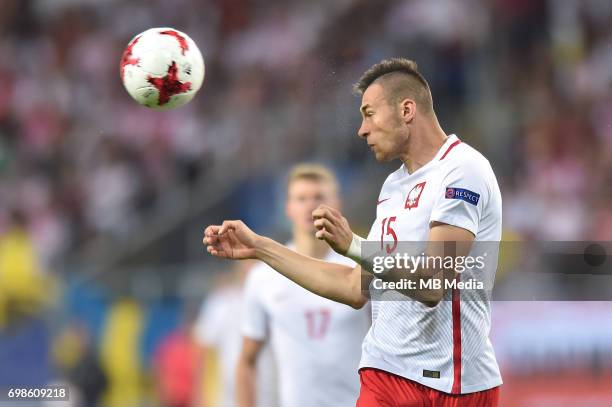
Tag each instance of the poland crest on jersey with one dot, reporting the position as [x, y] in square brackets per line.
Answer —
[412, 201]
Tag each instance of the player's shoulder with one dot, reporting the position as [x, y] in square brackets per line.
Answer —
[468, 161]
[466, 167]
[466, 155]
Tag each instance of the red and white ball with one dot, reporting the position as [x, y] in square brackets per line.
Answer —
[162, 68]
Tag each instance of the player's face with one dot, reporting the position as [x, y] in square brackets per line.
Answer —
[382, 126]
[303, 197]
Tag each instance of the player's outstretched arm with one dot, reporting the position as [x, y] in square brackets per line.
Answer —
[234, 240]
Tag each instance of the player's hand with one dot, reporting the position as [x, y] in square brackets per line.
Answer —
[333, 228]
[231, 240]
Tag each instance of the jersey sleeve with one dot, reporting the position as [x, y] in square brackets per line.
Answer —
[254, 316]
[461, 197]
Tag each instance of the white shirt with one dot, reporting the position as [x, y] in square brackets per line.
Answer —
[218, 326]
[316, 342]
[445, 347]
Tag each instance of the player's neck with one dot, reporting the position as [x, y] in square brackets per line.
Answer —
[423, 146]
[307, 244]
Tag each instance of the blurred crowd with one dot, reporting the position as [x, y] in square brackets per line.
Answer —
[527, 82]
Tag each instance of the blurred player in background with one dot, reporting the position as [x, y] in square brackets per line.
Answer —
[316, 342]
[434, 350]
[217, 332]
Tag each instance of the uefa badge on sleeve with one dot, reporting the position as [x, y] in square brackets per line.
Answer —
[462, 194]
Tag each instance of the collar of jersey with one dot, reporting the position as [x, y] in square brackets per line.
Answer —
[450, 140]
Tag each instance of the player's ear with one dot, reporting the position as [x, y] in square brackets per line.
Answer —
[407, 110]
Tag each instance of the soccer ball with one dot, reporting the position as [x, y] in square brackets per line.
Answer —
[162, 68]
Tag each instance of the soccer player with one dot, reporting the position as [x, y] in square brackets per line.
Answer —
[431, 348]
[316, 341]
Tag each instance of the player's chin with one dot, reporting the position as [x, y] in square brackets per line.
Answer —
[381, 157]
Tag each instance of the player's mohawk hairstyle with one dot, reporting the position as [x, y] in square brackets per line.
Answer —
[387, 66]
[389, 70]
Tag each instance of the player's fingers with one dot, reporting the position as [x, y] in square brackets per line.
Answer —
[335, 212]
[224, 227]
[211, 230]
[323, 235]
[322, 212]
[227, 225]
[210, 234]
[318, 213]
[217, 252]
[327, 212]
[212, 241]
[323, 223]
[328, 209]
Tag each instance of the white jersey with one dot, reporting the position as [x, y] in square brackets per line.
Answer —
[218, 326]
[445, 347]
[316, 342]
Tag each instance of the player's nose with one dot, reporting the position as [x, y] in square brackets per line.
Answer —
[363, 131]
